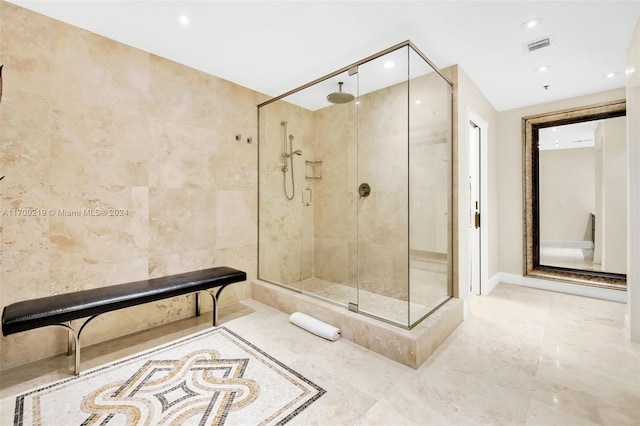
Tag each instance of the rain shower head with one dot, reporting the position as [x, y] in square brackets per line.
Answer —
[340, 97]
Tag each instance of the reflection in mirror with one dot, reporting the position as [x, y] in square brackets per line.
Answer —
[575, 195]
[583, 195]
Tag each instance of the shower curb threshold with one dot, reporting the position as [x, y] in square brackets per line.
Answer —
[409, 347]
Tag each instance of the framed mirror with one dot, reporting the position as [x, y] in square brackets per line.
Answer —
[575, 195]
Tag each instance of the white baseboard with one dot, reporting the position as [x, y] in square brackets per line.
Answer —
[566, 244]
[491, 284]
[577, 289]
[466, 308]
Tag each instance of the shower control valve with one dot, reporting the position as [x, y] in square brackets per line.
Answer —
[364, 190]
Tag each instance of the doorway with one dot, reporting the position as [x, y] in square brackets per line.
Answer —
[477, 205]
[475, 194]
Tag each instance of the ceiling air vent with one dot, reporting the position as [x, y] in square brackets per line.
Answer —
[538, 44]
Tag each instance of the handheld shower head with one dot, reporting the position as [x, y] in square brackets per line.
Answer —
[296, 152]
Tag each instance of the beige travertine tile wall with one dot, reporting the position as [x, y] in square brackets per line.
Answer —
[384, 215]
[335, 228]
[89, 123]
[286, 228]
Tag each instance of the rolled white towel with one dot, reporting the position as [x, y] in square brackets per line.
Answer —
[315, 326]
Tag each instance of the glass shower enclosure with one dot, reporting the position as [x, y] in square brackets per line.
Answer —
[355, 176]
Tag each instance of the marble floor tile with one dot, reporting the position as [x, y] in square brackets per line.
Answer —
[438, 397]
[380, 415]
[522, 357]
[343, 404]
[575, 258]
[586, 393]
[541, 414]
[491, 360]
[364, 369]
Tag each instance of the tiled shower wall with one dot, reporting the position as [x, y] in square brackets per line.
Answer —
[286, 231]
[87, 123]
[335, 195]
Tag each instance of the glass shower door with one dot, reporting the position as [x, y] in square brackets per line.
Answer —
[307, 208]
[429, 188]
[334, 202]
[382, 187]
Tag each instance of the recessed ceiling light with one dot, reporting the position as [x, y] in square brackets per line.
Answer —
[183, 19]
[630, 71]
[389, 64]
[418, 102]
[531, 23]
[543, 68]
[611, 75]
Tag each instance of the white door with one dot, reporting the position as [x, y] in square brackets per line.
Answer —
[475, 252]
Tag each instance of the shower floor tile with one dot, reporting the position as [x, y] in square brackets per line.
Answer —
[427, 287]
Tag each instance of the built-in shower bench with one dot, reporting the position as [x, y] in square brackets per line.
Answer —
[60, 310]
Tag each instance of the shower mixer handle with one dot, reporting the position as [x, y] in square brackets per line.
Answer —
[364, 190]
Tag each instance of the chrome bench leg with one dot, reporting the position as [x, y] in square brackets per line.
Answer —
[215, 308]
[215, 296]
[70, 338]
[73, 341]
[76, 368]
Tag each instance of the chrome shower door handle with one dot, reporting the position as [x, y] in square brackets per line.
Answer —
[307, 191]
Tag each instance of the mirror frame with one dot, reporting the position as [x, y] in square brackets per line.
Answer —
[531, 195]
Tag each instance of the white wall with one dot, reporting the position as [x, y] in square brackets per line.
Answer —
[614, 195]
[633, 166]
[470, 100]
[599, 189]
[567, 194]
[611, 195]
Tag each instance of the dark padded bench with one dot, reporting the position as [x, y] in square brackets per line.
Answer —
[61, 309]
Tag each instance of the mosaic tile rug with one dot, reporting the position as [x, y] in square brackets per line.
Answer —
[213, 377]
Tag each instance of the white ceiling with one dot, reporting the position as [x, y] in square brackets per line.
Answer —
[568, 136]
[276, 46]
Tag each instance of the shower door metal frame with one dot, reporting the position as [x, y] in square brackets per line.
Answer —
[352, 69]
[355, 65]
